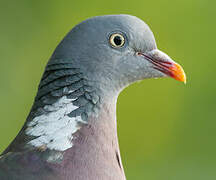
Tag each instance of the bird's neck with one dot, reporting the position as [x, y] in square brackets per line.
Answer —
[67, 101]
[91, 146]
[95, 148]
[72, 123]
[59, 125]
[61, 118]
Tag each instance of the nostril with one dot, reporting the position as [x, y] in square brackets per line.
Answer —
[139, 54]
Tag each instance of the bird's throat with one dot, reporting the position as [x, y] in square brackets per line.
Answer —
[96, 146]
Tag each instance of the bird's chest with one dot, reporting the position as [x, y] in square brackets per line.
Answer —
[94, 155]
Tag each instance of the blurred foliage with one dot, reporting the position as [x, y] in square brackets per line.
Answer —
[167, 130]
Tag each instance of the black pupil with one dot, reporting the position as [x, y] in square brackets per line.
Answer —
[117, 40]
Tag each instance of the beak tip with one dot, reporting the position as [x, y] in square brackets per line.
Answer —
[185, 80]
[179, 74]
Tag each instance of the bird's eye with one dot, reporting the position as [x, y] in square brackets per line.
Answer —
[117, 40]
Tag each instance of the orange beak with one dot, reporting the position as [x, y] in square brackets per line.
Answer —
[177, 72]
[165, 64]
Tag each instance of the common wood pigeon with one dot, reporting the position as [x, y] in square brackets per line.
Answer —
[70, 133]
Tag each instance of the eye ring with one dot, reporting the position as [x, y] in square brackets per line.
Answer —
[117, 40]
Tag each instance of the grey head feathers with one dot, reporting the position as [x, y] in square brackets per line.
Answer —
[86, 67]
[101, 64]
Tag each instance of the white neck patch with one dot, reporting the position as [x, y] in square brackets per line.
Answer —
[55, 129]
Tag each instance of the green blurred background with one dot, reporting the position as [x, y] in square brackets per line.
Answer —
[167, 130]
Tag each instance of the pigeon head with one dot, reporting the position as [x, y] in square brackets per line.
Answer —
[114, 51]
